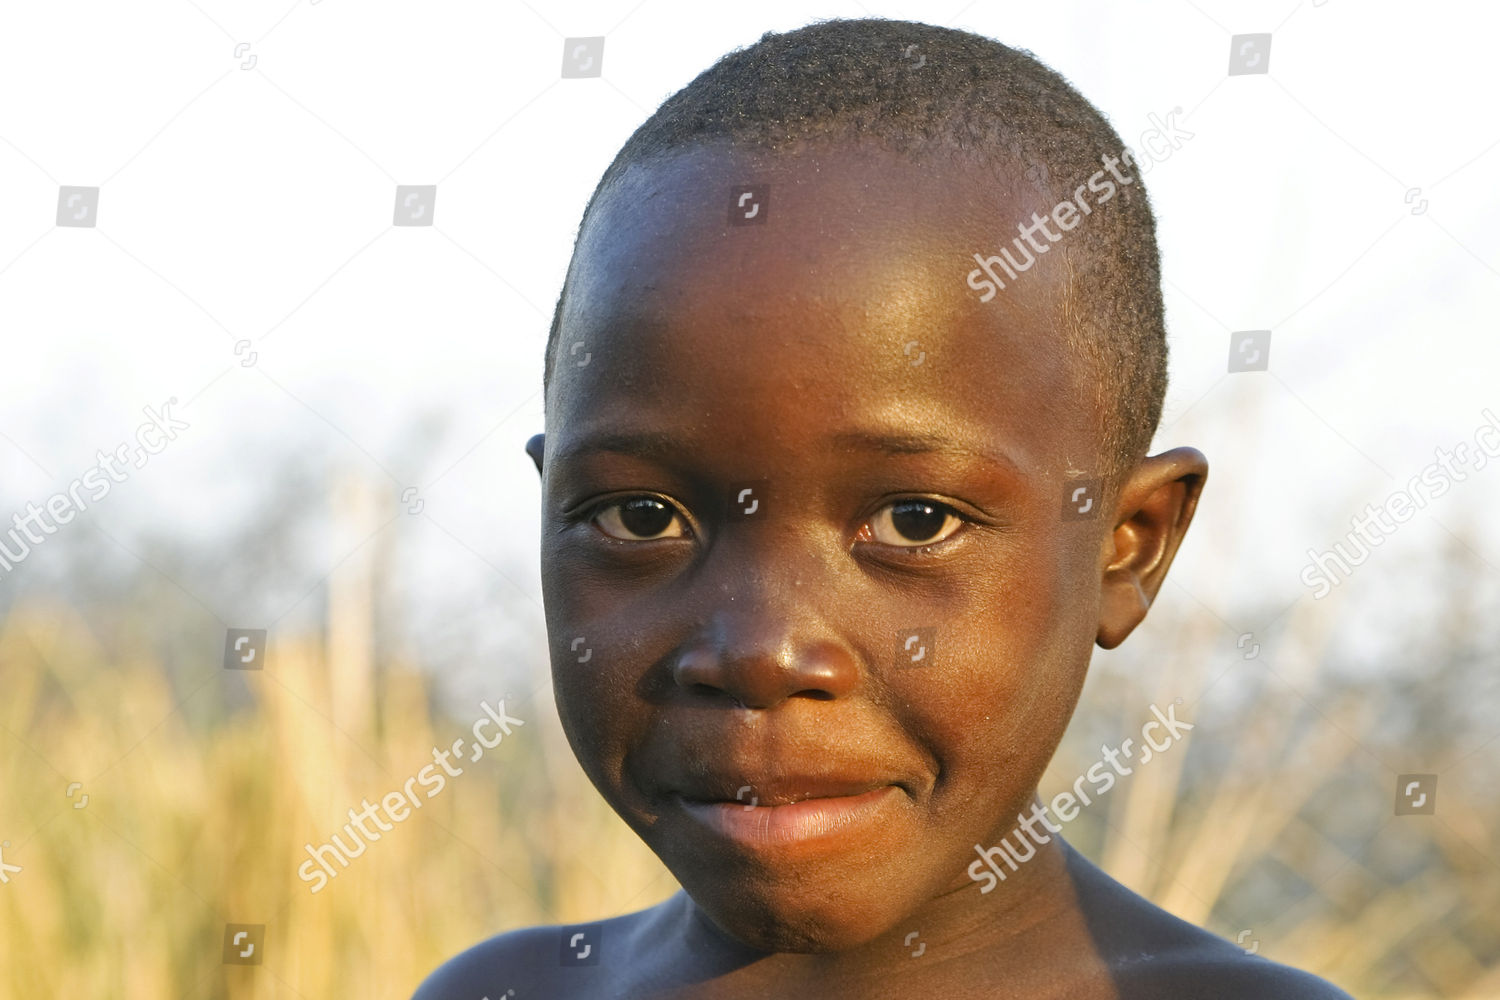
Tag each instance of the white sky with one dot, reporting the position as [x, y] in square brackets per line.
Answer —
[256, 205]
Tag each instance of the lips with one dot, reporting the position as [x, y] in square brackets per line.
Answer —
[817, 824]
[778, 791]
[779, 812]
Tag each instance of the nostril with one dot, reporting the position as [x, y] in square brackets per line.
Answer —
[759, 670]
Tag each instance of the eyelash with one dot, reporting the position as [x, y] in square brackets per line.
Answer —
[593, 512]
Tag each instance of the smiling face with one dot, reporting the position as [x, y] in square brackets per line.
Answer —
[780, 451]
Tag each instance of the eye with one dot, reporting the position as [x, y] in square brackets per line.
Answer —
[911, 524]
[640, 519]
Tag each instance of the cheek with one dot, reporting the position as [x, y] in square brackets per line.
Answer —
[600, 718]
[585, 658]
[605, 640]
[1015, 662]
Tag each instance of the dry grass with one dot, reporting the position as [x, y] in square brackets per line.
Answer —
[203, 791]
[191, 824]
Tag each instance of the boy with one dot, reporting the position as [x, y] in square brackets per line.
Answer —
[841, 499]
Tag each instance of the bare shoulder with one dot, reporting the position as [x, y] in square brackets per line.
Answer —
[555, 960]
[490, 968]
[1208, 973]
[1150, 953]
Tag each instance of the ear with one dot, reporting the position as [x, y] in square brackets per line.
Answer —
[534, 449]
[1155, 507]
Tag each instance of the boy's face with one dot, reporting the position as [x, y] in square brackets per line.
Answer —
[717, 653]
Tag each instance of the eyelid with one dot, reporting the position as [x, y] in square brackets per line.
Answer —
[965, 520]
[590, 513]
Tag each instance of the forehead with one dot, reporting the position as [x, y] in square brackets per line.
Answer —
[842, 302]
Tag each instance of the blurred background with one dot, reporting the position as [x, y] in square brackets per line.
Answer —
[351, 479]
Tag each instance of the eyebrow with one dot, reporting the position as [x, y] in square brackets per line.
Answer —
[644, 444]
[658, 445]
[919, 444]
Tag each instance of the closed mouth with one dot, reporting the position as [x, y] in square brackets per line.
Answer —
[791, 818]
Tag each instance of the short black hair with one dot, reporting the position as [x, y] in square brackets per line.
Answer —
[843, 80]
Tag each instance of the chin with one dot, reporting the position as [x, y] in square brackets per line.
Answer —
[794, 932]
[779, 918]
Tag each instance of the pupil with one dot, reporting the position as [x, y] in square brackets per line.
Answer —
[917, 521]
[645, 516]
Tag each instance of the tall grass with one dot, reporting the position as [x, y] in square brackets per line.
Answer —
[1271, 823]
[189, 826]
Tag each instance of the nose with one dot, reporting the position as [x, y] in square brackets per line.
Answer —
[760, 667]
[767, 634]
[765, 600]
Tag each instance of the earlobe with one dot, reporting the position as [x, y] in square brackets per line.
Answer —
[1156, 505]
[534, 448]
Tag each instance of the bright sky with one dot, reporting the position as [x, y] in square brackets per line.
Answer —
[1338, 200]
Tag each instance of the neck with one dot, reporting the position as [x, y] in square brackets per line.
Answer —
[1012, 925]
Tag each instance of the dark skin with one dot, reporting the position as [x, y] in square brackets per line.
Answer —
[733, 650]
